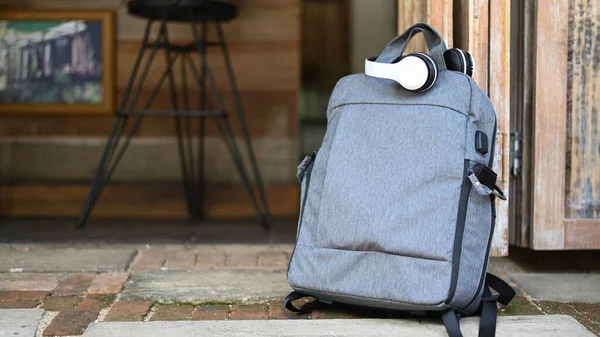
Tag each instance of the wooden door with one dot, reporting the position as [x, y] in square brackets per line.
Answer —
[560, 127]
[483, 28]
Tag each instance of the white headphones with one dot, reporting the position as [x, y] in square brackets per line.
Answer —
[418, 71]
[415, 71]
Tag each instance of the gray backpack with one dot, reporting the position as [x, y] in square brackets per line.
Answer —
[397, 206]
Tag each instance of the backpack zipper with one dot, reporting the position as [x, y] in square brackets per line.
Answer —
[493, 224]
[304, 173]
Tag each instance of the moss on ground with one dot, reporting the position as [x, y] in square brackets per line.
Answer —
[519, 306]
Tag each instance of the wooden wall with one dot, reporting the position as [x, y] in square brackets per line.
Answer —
[264, 43]
[583, 127]
[557, 116]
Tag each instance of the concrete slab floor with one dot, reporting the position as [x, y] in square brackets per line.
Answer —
[102, 232]
[571, 287]
[19, 322]
[207, 286]
[52, 259]
[516, 326]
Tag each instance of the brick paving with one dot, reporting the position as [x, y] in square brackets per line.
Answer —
[252, 311]
[82, 298]
[110, 283]
[173, 312]
[211, 312]
[130, 311]
[61, 303]
[74, 284]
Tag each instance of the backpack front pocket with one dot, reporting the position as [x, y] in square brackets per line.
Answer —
[393, 181]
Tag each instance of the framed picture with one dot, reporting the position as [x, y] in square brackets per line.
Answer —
[57, 62]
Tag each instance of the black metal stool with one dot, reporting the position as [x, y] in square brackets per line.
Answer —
[196, 13]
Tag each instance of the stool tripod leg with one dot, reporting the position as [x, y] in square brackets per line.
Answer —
[181, 146]
[196, 210]
[229, 138]
[103, 167]
[246, 133]
[107, 164]
[226, 131]
[202, 122]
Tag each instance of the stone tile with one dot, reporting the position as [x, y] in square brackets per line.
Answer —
[204, 286]
[74, 259]
[9, 296]
[560, 287]
[70, 323]
[273, 260]
[586, 313]
[510, 326]
[128, 311]
[61, 303]
[19, 304]
[109, 283]
[96, 302]
[210, 257]
[20, 322]
[74, 284]
[173, 312]
[241, 260]
[249, 256]
[591, 312]
[211, 312]
[251, 311]
[180, 260]
[149, 259]
[29, 281]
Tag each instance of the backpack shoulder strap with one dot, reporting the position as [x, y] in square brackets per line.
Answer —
[489, 310]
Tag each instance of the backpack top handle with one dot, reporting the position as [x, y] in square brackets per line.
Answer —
[433, 39]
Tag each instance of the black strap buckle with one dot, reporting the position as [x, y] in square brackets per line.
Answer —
[304, 165]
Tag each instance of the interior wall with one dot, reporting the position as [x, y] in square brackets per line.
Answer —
[68, 147]
[374, 24]
[337, 37]
[60, 153]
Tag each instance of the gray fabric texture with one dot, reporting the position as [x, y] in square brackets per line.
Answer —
[336, 273]
[477, 233]
[380, 226]
[382, 210]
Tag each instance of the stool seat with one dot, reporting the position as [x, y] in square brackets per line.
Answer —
[183, 10]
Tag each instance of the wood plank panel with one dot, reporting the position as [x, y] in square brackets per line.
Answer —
[440, 17]
[140, 201]
[583, 133]
[325, 44]
[522, 78]
[582, 234]
[473, 35]
[268, 113]
[270, 66]
[528, 102]
[437, 13]
[259, 20]
[409, 13]
[549, 124]
[499, 93]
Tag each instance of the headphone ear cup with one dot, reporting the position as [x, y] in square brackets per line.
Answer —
[470, 64]
[417, 72]
[459, 60]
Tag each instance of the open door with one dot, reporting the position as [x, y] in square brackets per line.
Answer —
[483, 28]
[559, 183]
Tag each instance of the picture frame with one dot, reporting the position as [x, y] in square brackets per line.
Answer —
[57, 62]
